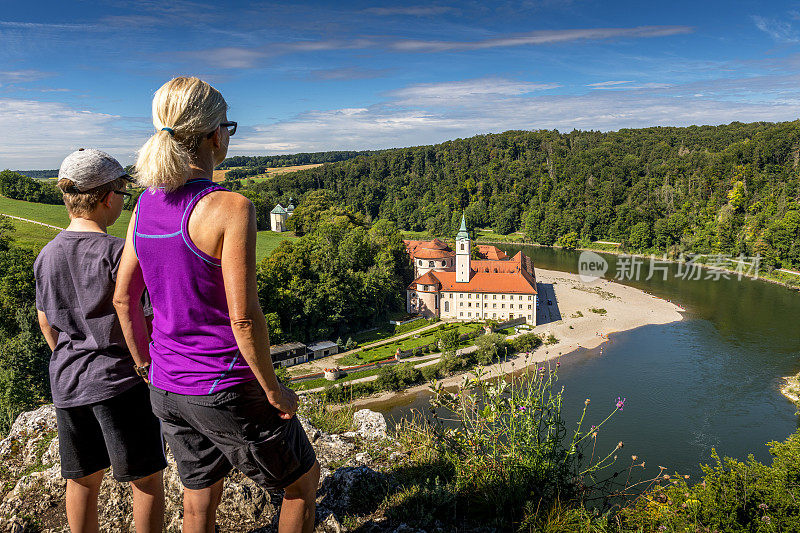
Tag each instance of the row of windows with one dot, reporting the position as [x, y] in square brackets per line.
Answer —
[494, 315]
[431, 264]
[494, 296]
[494, 306]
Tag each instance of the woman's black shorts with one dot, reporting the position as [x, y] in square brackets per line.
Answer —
[212, 433]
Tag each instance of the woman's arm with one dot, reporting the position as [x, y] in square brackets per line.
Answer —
[50, 335]
[247, 320]
[128, 300]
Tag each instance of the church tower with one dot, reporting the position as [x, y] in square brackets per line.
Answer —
[463, 250]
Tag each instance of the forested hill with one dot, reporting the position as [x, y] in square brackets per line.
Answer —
[728, 189]
[252, 165]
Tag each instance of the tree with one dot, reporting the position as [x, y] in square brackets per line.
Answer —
[640, 237]
[569, 240]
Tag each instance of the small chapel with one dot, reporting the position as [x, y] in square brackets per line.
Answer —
[453, 286]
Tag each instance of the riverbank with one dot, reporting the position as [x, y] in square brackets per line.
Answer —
[791, 388]
[581, 317]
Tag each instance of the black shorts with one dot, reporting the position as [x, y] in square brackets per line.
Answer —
[212, 433]
[120, 432]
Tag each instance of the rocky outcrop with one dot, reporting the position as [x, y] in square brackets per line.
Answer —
[33, 495]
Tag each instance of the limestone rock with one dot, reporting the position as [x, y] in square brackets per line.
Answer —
[352, 490]
[369, 424]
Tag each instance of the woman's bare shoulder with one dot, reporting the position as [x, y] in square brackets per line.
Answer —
[223, 205]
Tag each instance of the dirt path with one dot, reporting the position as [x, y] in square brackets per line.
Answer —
[32, 221]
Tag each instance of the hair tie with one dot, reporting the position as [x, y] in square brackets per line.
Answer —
[170, 131]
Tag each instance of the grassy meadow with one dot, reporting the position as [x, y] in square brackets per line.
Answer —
[37, 236]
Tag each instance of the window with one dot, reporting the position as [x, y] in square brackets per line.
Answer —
[469, 314]
[503, 306]
[430, 264]
[530, 297]
[511, 316]
[494, 306]
[494, 297]
[529, 306]
[486, 305]
[447, 307]
[444, 263]
[462, 246]
[502, 296]
[420, 262]
[461, 313]
[494, 315]
[461, 295]
[461, 304]
[469, 304]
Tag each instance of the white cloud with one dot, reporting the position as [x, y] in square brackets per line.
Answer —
[608, 83]
[540, 37]
[21, 76]
[459, 92]
[779, 30]
[409, 10]
[399, 122]
[41, 134]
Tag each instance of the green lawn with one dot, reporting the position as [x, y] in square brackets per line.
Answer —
[266, 241]
[386, 351]
[56, 215]
[32, 235]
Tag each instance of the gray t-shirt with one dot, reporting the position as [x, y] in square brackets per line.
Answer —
[75, 278]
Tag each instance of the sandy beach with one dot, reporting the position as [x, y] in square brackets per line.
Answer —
[572, 322]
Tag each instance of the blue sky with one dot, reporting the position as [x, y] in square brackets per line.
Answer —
[313, 76]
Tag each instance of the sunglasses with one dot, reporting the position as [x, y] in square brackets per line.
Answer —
[231, 128]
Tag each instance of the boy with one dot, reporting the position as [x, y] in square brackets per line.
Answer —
[102, 404]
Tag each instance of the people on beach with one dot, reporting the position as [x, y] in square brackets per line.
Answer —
[102, 406]
[191, 243]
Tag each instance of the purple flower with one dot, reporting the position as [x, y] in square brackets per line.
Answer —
[522, 408]
[620, 403]
[593, 428]
[558, 364]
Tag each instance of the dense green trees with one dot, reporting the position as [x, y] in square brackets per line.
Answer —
[20, 187]
[342, 275]
[24, 355]
[706, 189]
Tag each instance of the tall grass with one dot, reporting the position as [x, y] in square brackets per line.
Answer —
[504, 450]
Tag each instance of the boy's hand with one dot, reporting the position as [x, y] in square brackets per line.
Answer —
[284, 400]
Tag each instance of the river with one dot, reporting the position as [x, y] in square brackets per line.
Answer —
[709, 381]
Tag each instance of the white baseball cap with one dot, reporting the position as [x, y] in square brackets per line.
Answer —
[88, 168]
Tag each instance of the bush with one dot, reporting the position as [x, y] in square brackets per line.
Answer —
[598, 310]
[397, 377]
[490, 348]
[448, 339]
[551, 339]
[733, 496]
[350, 344]
[526, 343]
[431, 372]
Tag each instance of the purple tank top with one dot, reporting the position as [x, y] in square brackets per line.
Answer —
[193, 349]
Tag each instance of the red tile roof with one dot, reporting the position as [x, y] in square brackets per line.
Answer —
[492, 253]
[515, 275]
[501, 283]
[426, 279]
[434, 249]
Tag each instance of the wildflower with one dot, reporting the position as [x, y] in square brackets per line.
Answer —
[765, 519]
[762, 506]
[592, 428]
[521, 407]
[620, 403]
[594, 435]
[666, 476]
[558, 364]
[586, 402]
[662, 527]
[619, 445]
[634, 457]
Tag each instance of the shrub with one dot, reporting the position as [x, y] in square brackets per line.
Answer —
[397, 377]
[431, 372]
[490, 348]
[526, 343]
[350, 344]
[598, 310]
[551, 339]
[448, 339]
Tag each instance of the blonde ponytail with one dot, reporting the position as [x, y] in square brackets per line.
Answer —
[185, 110]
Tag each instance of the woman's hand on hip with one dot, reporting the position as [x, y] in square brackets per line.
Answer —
[284, 400]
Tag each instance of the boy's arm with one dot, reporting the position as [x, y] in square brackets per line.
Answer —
[128, 301]
[50, 335]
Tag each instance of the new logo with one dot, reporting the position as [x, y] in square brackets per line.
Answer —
[591, 266]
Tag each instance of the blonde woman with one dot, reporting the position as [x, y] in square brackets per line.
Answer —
[192, 243]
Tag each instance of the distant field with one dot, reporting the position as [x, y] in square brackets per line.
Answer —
[56, 215]
[219, 175]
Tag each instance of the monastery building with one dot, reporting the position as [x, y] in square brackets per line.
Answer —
[452, 286]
